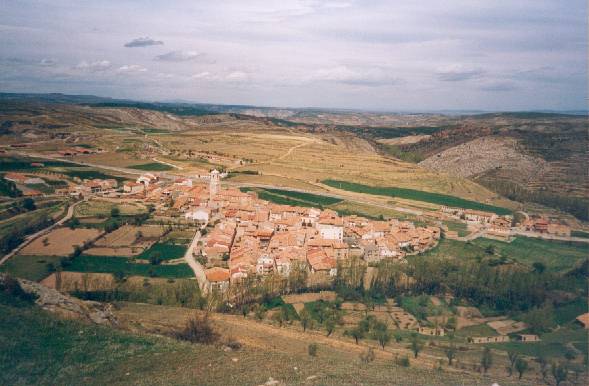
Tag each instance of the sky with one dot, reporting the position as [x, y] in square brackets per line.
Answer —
[375, 55]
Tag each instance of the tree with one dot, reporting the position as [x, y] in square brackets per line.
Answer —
[329, 326]
[312, 349]
[74, 223]
[29, 204]
[513, 357]
[397, 335]
[245, 309]
[560, 372]
[155, 258]
[198, 329]
[45, 241]
[357, 333]
[260, 313]
[490, 249]
[541, 319]
[367, 356]
[416, 345]
[115, 211]
[521, 365]
[450, 353]
[382, 334]
[486, 359]
[543, 366]
[305, 318]
[539, 267]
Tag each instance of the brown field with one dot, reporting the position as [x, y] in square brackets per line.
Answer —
[61, 242]
[102, 208]
[124, 242]
[91, 281]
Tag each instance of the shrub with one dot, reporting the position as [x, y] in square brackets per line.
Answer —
[403, 361]
[198, 329]
[312, 349]
[12, 293]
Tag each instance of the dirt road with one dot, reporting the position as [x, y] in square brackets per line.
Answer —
[199, 271]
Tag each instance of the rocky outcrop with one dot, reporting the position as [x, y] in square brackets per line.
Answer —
[67, 306]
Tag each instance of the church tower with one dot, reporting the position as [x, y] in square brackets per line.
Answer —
[213, 184]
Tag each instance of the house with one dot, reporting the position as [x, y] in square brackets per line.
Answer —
[133, 187]
[478, 216]
[330, 225]
[488, 339]
[146, 179]
[528, 338]
[183, 182]
[439, 331]
[583, 320]
[265, 265]
[218, 279]
[319, 261]
[200, 214]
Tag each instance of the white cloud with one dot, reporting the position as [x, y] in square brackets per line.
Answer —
[48, 62]
[96, 66]
[458, 73]
[132, 68]
[356, 76]
[179, 56]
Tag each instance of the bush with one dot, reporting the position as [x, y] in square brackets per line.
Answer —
[312, 349]
[12, 293]
[403, 361]
[198, 329]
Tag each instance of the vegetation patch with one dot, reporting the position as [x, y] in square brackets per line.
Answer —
[165, 251]
[113, 264]
[152, 166]
[417, 195]
[30, 267]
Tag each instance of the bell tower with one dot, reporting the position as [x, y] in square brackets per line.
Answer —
[213, 184]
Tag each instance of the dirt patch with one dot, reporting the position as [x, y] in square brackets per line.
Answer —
[124, 241]
[309, 297]
[60, 242]
[404, 140]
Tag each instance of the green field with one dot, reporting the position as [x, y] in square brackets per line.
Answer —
[91, 174]
[29, 267]
[293, 198]
[555, 255]
[167, 251]
[582, 234]
[416, 195]
[24, 164]
[152, 166]
[112, 264]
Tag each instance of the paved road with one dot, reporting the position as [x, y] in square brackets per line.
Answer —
[30, 238]
[199, 271]
[549, 237]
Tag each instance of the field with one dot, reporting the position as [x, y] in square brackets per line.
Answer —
[416, 195]
[555, 255]
[152, 166]
[166, 251]
[30, 267]
[289, 197]
[98, 208]
[75, 353]
[112, 264]
[61, 242]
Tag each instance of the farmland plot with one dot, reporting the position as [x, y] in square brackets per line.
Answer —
[60, 242]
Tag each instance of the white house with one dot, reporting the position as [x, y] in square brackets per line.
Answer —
[199, 214]
[146, 179]
[264, 265]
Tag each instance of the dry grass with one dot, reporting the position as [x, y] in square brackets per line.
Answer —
[61, 242]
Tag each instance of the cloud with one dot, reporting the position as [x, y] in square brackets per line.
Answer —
[130, 68]
[143, 42]
[372, 77]
[499, 86]
[458, 73]
[237, 76]
[202, 75]
[96, 66]
[179, 56]
[47, 62]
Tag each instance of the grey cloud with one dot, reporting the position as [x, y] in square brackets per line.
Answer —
[143, 42]
[179, 56]
[96, 66]
[356, 76]
[47, 62]
[458, 74]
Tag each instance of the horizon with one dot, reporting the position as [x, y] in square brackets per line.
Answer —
[348, 55]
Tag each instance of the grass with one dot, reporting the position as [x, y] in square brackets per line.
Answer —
[477, 330]
[416, 195]
[458, 227]
[29, 267]
[112, 264]
[568, 312]
[167, 251]
[43, 188]
[9, 164]
[37, 348]
[293, 198]
[582, 234]
[555, 255]
[92, 174]
[152, 166]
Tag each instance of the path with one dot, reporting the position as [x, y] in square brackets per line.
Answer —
[30, 238]
[199, 271]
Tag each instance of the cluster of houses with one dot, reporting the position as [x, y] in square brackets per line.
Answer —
[545, 225]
